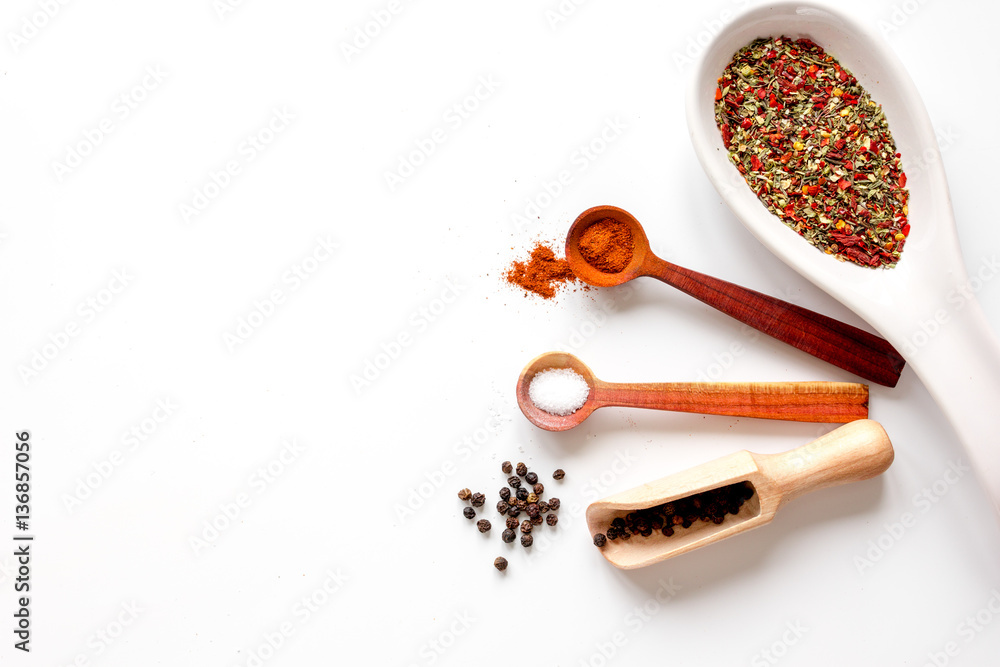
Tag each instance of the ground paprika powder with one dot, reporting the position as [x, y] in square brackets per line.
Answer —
[607, 245]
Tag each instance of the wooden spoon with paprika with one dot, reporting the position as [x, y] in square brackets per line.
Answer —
[599, 235]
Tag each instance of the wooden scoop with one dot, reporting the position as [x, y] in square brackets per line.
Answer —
[828, 402]
[852, 453]
[840, 344]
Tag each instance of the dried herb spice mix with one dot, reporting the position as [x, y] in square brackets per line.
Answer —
[815, 147]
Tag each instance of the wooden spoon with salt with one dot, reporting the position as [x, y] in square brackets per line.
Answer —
[827, 402]
[840, 344]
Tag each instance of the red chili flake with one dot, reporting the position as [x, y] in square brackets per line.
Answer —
[718, 94]
[755, 163]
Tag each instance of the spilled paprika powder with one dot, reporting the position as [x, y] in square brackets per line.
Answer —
[542, 274]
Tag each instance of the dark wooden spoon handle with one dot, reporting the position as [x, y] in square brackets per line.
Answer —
[840, 344]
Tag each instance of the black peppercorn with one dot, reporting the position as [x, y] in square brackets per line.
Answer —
[554, 503]
[536, 520]
[543, 506]
[514, 482]
[522, 469]
[506, 467]
[600, 540]
[478, 499]
[532, 510]
[551, 519]
[520, 504]
[710, 506]
[539, 489]
[512, 522]
[531, 478]
[504, 493]
[502, 506]
[526, 540]
[469, 513]
[522, 493]
[525, 526]
[513, 511]
[483, 525]
[500, 563]
[465, 494]
[508, 536]
[558, 474]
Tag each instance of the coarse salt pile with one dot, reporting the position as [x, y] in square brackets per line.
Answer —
[558, 391]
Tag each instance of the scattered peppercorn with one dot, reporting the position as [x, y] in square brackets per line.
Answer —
[526, 541]
[522, 469]
[465, 494]
[558, 474]
[532, 510]
[484, 526]
[513, 511]
[478, 499]
[525, 526]
[554, 503]
[521, 493]
[536, 520]
[551, 519]
[520, 503]
[512, 522]
[508, 536]
[514, 482]
[500, 563]
[543, 506]
[502, 507]
[600, 540]
[539, 489]
[504, 493]
[469, 513]
[531, 478]
[506, 467]
[532, 498]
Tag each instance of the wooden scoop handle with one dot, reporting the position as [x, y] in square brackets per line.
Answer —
[840, 344]
[827, 402]
[854, 452]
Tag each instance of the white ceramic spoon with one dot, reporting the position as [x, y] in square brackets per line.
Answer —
[924, 306]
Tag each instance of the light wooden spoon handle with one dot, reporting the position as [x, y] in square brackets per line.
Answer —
[840, 344]
[854, 452]
[826, 402]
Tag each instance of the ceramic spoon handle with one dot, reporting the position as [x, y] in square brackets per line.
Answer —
[825, 402]
[840, 344]
[959, 363]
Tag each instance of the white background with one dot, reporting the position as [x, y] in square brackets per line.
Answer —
[365, 502]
